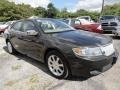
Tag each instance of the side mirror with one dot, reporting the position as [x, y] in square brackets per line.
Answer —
[32, 33]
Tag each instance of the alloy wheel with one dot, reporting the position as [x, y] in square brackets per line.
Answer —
[55, 65]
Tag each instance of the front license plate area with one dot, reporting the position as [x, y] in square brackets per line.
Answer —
[107, 67]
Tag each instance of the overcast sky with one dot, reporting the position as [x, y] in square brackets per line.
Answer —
[71, 5]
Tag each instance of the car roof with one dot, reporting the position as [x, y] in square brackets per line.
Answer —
[37, 19]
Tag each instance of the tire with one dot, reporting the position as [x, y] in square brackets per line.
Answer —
[2, 34]
[57, 65]
[10, 48]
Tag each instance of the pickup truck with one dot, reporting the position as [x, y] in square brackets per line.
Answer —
[111, 24]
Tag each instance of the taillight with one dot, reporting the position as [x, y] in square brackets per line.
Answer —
[100, 27]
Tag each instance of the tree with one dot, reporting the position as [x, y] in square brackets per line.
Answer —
[10, 11]
[40, 11]
[63, 13]
[112, 9]
[51, 11]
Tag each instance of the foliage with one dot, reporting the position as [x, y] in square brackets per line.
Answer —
[40, 11]
[12, 11]
[112, 9]
[63, 13]
[51, 11]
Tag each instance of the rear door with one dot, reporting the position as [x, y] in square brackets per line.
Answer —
[16, 36]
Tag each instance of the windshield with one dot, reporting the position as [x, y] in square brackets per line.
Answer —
[83, 21]
[107, 17]
[52, 25]
[86, 18]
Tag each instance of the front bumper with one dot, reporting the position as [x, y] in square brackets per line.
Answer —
[109, 28]
[93, 66]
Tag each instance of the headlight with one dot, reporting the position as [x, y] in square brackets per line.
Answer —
[86, 51]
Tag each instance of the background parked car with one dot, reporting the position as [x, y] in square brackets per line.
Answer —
[82, 24]
[110, 23]
[88, 18]
[3, 27]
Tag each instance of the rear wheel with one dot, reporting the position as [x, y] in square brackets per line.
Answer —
[57, 65]
[2, 34]
[10, 48]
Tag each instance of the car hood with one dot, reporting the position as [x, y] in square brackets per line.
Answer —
[108, 20]
[83, 38]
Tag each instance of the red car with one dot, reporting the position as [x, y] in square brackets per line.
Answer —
[83, 24]
[5, 26]
[2, 31]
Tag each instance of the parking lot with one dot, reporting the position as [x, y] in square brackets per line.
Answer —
[19, 72]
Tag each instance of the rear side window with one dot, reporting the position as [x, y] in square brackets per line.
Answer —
[17, 26]
[28, 25]
[77, 22]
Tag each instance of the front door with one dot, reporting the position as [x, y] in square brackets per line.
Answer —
[33, 43]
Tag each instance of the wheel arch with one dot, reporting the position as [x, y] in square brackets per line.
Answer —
[59, 51]
[49, 50]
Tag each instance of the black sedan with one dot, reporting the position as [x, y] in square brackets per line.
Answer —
[63, 49]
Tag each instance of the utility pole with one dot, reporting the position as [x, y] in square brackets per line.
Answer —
[101, 13]
[103, 1]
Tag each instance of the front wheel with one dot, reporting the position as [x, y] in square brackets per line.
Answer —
[57, 65]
